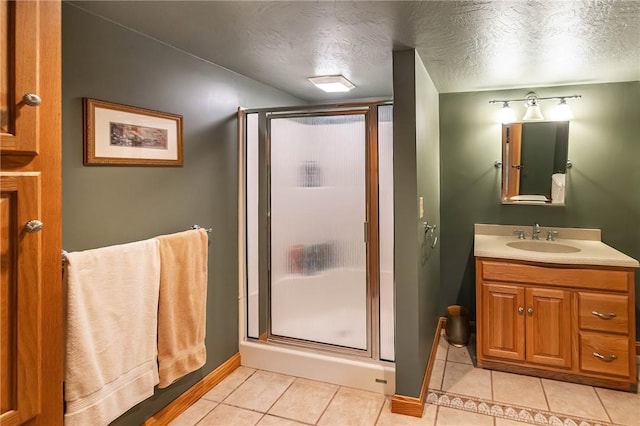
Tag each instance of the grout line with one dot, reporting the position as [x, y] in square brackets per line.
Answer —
[205, 414]
[435, 418]
[382, 408]
[330, 401]
[602, 403]
[493, 398]
[281, 395]
[544, 392]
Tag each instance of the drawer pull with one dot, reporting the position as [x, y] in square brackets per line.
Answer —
[607, 358]
[608, 316]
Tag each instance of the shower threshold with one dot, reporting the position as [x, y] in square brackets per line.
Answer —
[340, 369]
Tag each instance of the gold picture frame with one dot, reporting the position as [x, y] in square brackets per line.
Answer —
[124, 135]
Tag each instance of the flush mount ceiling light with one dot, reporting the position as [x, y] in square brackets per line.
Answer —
[332, 83]
[562, 112]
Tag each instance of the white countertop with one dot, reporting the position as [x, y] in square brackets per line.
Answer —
[491, 241]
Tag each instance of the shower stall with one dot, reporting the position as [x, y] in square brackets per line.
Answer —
[316, 242]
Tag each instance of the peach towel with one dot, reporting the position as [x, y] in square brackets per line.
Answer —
[182, 304]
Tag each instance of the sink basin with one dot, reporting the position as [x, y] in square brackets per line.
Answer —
[543, 246]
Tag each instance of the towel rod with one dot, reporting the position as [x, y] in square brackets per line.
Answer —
[194, 227]
[209, 230]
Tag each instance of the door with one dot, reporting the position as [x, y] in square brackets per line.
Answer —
[31, 362]
[548, 327]
[318, 235]
[503, 321]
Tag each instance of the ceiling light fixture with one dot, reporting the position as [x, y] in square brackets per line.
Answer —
[562, 112]
[332, 83]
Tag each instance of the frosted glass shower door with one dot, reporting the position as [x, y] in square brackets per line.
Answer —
[318, 288]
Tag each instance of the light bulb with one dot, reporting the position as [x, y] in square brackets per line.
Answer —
[562, 112]
[506, 114]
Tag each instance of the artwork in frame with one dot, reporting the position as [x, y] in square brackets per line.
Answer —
[116, 134]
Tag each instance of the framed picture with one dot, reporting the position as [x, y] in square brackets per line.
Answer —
[117, 134]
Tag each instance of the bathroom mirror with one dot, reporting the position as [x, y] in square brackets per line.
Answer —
[534, 162]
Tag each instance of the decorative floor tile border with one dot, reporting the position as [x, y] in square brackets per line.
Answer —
[507, 411]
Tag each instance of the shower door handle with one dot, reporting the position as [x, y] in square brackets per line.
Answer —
[366, 232]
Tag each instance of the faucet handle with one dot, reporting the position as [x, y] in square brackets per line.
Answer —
[520, 233]
[551, 235]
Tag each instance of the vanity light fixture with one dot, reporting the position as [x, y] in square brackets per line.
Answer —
[506, 114]
[562, 112]
[332, 83]
[534, 113]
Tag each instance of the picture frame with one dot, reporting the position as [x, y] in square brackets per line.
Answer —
[123, 135]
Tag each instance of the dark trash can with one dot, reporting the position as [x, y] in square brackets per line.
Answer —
[458, 329]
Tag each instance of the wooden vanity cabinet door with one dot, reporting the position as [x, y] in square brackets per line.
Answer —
[503, 321]
[548, 327]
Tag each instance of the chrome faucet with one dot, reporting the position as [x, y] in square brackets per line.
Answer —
[520, 233]
[535, 234]
[551, 235]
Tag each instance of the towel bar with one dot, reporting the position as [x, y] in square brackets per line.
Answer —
[209, 230]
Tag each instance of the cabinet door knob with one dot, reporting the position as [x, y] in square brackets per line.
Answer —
[520, 309]
[607, 358]
[608, 316]
[33, 226]
[530, 311]
[32, 99]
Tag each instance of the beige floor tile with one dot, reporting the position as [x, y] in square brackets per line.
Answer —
[260, 391]
[506, 422]
[465, 379]
[225, 415]
[193, 414]
[269, 420]
[229, 384]
[452, 417]
[573, 399]
[443, 347]
[353, 407]
[519, 390]
[437, 373]
[459, 355]
[387, 418]
[623, 407]
[304, 401]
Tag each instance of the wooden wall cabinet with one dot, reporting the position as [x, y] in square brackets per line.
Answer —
[564, 322]
[31, 326]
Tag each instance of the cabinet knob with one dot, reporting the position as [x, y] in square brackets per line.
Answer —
[607, 358]
[520, 309]
[530, 311]
[32, 99]
[608, 316]
[33, 226]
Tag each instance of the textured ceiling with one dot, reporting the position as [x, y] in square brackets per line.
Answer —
[465, 45]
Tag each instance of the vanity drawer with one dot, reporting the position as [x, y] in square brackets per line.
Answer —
[604, 353]
[601, 279]
[604, 312]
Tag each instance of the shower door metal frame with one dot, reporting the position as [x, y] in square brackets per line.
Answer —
[371, 234]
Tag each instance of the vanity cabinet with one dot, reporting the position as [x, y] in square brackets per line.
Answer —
[565, 322]
[527, 324]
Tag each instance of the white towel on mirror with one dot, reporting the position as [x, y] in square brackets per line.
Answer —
[111, 352]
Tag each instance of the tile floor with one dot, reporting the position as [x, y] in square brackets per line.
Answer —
[459, 394]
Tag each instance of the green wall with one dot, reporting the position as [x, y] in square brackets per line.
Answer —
[112, 205]
[416, 174]
[603, 186]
